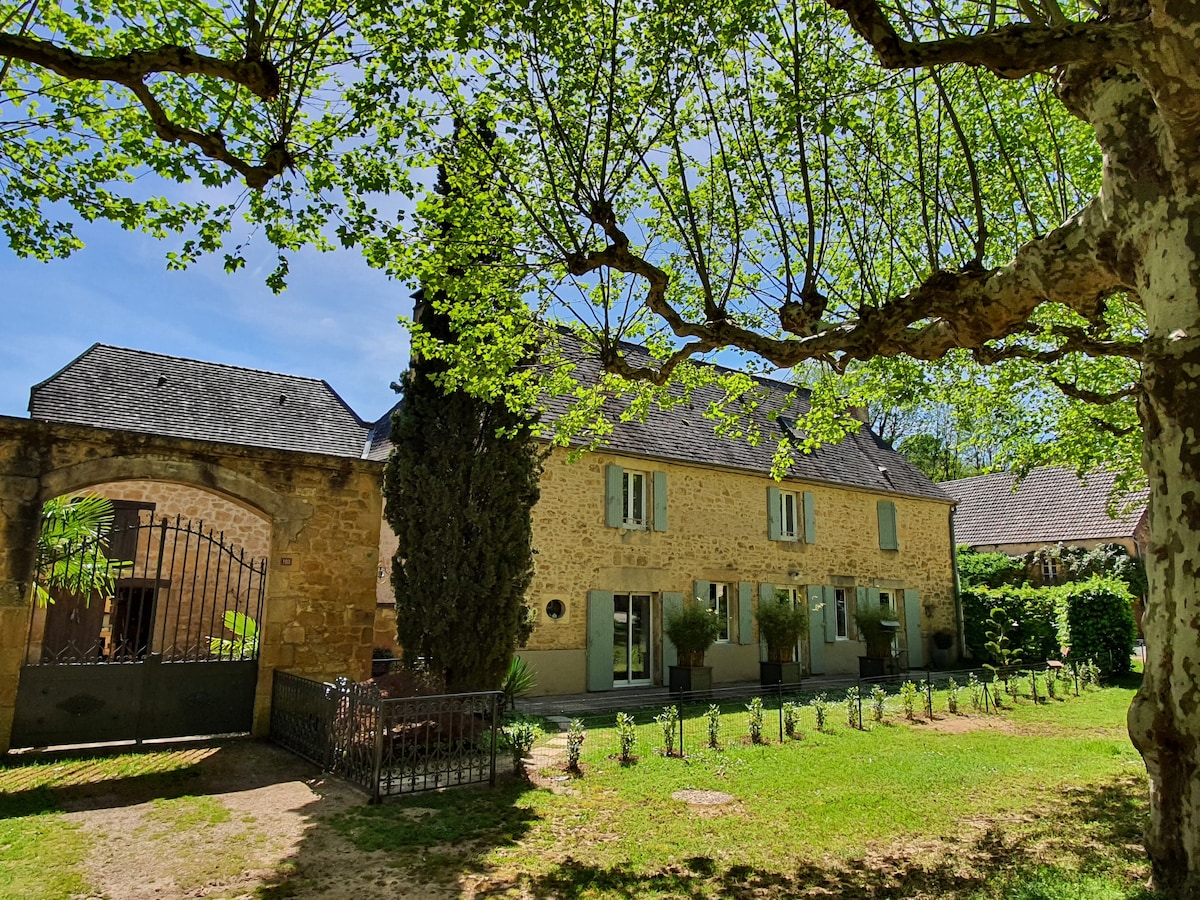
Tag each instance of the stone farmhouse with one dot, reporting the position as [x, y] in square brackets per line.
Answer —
[284, 470]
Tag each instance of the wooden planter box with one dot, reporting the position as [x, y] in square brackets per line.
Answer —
[770, 673]
[877, 666]
[689, 679]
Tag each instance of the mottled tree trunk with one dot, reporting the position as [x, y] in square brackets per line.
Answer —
[1164, 721]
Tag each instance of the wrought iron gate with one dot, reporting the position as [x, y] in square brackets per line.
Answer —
[173, 651]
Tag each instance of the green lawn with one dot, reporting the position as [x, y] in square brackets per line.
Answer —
[1041, 801]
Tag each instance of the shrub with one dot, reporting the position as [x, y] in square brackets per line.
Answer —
[878, 699]
[908, 697]
[819, 705]
[575, 736]
[853, 714]
[520, 737]
[1051, 683]
[952, 697]
[990, 570]
[975, 689]
[755, 708]
[627, 735]
[668, 721]
[791, 718]
[1100, 622]
[692, 629]
[1033, 613]
[519, 681]
[713, 720]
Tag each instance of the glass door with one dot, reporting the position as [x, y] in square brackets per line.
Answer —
[631, 639]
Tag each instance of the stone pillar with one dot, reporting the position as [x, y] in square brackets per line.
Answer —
[19, 510]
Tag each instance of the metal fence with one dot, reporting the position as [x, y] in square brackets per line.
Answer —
[387, 746]
[748, 715]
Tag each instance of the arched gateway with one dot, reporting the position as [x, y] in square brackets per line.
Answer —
[318, 575]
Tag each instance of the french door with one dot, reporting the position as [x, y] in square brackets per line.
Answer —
[631, 639]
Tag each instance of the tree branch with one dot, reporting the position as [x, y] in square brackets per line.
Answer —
[257, 75]
[1010, 51]
[131, 69]
[1095, 397]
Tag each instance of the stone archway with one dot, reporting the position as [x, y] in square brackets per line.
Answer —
[325, 517]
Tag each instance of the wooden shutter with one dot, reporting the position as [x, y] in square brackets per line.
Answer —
[614, 512]
[912, 628]
[660, 501]
[888, 538]
[672, 602]
[700, 592]
[830, 594]
[745, 612]
[860, 602]
[774, 527]
[810, 518]
[600, 641]
[816, 630]
[766, 594]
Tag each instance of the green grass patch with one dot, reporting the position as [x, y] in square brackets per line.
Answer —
[1041, 800]
[39, 857]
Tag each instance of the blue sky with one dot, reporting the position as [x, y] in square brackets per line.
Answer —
[336, 320]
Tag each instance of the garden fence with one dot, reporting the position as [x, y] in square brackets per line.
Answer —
[387, 746]
[750, 715]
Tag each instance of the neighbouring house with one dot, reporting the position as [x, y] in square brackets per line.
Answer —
[1049, 507]
[666, 511]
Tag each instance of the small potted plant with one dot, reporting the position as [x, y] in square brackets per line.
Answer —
[876, 626]
[943, 642]
[692, 629]
[781, 625]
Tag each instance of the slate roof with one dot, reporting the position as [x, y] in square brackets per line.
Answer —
[1050, 505]
[151, 393]
[682, 433]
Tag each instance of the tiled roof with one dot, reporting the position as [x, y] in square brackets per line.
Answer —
[1050, 505]
[133, 390]
[682, 433]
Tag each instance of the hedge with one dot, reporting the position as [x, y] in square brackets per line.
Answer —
[1100, 622]
[1034, 610]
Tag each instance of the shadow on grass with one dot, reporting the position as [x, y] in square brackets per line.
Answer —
[74, 781]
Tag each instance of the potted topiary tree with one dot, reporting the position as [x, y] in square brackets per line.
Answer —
[692, 629]
[877, 626]
[781, 625]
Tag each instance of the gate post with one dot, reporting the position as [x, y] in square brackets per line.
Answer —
[19, 510]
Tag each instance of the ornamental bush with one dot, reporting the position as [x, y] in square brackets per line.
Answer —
[1034, 612]
[1099, 622]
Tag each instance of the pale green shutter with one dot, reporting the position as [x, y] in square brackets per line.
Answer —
[912, 628]
[873, 596]
[745, 612]
[600, 641]
[773, 525]
[660, 501]
[672, 603]
[816, 630]
[810, 519]
[766, 594]
[614, 513]
[860, 602]
[700, 592]
[888, 538]
[830, 595]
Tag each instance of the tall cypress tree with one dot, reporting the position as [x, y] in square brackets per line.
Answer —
[459, 489]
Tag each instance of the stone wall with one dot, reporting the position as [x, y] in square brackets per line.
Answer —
[717, 532]
[324, 514]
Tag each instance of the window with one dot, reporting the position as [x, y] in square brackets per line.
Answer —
[633, 496]
[885, 600]
[839, 605]
[788, 528]
[1049, 569]
[718, 602]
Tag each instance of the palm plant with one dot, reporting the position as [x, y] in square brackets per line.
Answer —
[72, 549]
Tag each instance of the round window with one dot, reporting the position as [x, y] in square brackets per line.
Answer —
[555, 609]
